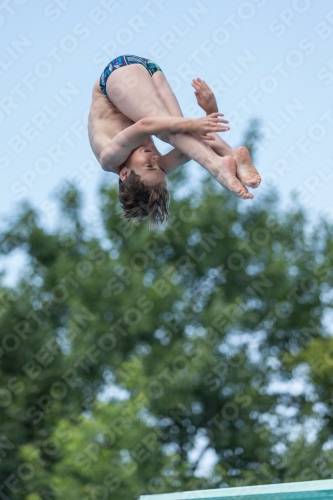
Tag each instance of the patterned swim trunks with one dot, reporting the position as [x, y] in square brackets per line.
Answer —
[120, 61]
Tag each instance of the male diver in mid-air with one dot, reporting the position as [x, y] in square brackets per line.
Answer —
[133, 101]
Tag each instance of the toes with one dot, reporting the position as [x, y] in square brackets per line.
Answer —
[257, 182]
[240, 190]
[252, 182]
[246, 196]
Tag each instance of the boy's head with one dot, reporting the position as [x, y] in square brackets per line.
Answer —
[143, 186]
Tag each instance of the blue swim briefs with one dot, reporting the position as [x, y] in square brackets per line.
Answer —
[120, 61]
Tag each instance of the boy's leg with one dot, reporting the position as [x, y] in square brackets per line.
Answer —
[133, 92]
[246, 171]
[166, 93]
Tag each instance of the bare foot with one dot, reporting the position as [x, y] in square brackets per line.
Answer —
[227, 177]
[246, 171]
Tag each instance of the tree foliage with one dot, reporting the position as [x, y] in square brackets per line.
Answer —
[127, 355]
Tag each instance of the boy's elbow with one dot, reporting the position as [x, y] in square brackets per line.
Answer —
[144, 124]
[102, 161]
[183, 157]
[105, 159]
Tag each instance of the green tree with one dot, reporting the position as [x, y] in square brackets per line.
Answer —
[188, 326]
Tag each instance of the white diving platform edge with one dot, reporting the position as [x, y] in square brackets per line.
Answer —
[307, 490]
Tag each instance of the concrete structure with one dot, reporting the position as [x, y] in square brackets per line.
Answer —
[308, 490]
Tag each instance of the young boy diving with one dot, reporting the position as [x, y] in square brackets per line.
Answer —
[132, 101]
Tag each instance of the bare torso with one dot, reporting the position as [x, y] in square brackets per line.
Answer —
[105, 121]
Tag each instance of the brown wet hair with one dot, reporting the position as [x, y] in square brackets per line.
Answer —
[139, 201]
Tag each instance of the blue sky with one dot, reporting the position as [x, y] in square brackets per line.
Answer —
[272, 60]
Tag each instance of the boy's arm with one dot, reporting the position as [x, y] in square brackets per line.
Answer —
[173, 160]
[119, 148]
[207, 101]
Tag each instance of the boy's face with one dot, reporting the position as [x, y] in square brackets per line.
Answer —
[147, 163]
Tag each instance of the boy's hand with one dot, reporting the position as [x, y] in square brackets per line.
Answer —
[205, 96]
[209, 123]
